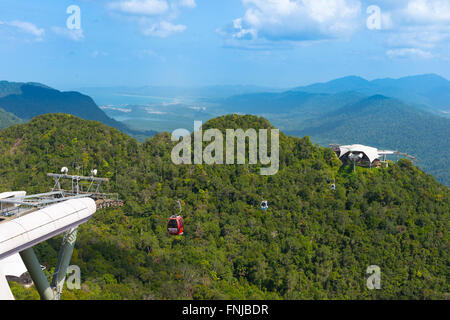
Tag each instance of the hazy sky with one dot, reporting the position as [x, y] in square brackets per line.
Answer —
[280, 43]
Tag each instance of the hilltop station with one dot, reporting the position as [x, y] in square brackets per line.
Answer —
[365, 156]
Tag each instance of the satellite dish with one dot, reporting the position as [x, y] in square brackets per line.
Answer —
[64, 170]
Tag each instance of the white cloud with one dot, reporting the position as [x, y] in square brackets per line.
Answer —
[163, 29]
[409, 53]
[75, 34]
[296, 20]
[425, 38]
[98, 53]
[155, 17]
[419, 28]
[141, 7]
[26, 27]
[150, 53]
[428, 11]
[188, 3]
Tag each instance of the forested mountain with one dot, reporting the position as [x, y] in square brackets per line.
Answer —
[388, 124]
[429, 90]
[333, 113]
[312, 243]
[7, 88]
[27, 100]
[8, 119]
[298, 103]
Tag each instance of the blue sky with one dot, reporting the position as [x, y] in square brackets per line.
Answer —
[277, 43]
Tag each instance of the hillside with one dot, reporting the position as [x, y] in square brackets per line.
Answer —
[8, 119]
[27, 100]
[7, 88]
[429, 90]
[312, 243]
[388, 124]
[292, 102]
[350, 117]
[290, 110]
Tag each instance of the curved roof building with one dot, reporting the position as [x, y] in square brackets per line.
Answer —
[369, 153]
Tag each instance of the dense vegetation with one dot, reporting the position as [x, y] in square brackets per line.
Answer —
[351, 117]
[312, 243]
[410, 114]
[388, 124]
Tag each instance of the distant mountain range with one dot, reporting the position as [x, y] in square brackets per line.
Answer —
[429, 91]
[305, 105]
[27, 100]
[409, 114]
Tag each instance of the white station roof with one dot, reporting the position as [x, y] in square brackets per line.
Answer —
[26, 231]
[370, 152]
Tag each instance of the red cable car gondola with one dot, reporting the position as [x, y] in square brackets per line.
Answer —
[175, 225]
